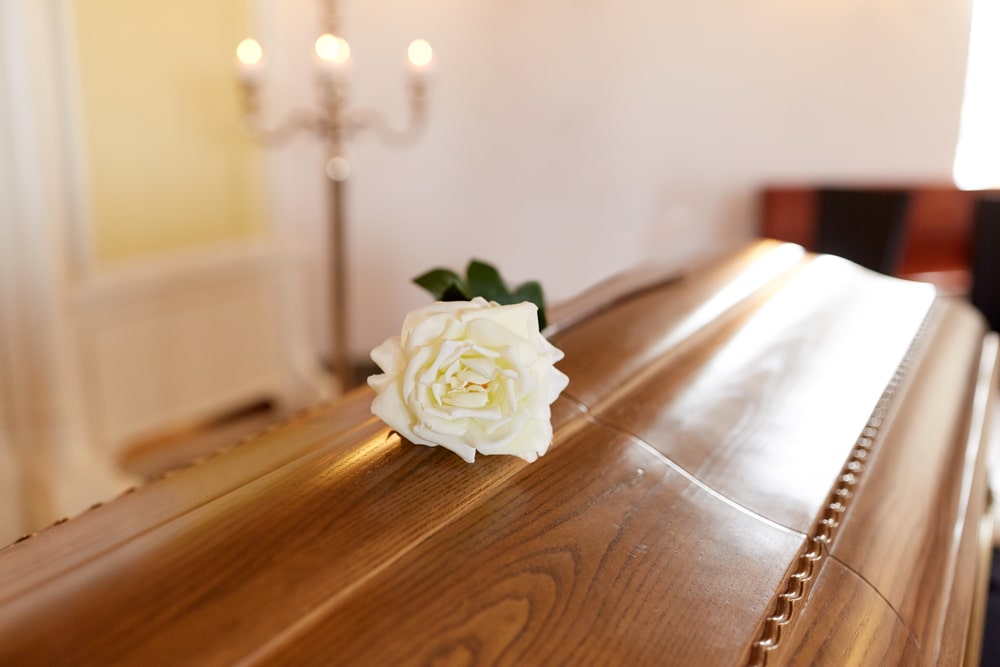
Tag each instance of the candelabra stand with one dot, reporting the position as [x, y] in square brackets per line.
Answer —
[335, 123]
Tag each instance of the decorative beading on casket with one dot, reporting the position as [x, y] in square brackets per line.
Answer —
[817, 545]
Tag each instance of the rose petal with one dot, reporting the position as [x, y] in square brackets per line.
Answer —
[520, 319]
[390, 408]
[389, 357]
[447, 354]
[531, 440]
[417, 363]
[452, 443]
[491, 335]
[467, 399]
[485, 368]
[417, 317]
[558, 381]
[554, 353]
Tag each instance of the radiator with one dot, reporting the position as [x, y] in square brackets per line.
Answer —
[187, 337]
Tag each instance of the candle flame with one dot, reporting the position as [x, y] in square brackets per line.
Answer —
[332, 49]
[420, 53]
[249, 52]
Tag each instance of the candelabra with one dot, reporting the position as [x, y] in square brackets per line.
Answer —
[335, 123]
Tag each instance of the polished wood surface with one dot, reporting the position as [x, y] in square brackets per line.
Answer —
[753, 463]
[931, 484]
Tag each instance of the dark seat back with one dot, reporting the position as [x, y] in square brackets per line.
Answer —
[864, 226]
[985, 293]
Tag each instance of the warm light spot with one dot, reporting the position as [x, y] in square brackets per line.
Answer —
[249, 52]
[332, 49]
[420, 53]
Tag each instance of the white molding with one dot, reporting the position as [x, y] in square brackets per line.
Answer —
[187, 336]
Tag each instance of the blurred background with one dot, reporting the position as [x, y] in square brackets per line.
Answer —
[165, 275]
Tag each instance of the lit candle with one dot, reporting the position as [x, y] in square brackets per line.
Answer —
[248, 60]
[333, 55]
[419, 57]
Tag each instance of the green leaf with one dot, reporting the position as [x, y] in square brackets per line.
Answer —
[440, 282]
[485, 281]
[454, 293]
[532, 291]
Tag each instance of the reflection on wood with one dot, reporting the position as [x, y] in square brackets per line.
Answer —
[700, 462]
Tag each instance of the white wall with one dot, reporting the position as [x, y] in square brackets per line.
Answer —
[569, 139]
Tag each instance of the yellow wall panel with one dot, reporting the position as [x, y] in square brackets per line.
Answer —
[169, 165]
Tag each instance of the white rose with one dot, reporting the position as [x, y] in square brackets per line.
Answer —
[470, 376]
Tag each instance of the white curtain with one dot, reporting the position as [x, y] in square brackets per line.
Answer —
[47, 467]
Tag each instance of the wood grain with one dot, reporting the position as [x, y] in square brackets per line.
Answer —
[708, 423]
[572, 562]
[846, 622]
[144, 509]
[921, 482]
[285, 541]
[768, 438]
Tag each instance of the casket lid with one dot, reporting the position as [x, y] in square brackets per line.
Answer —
[757, 462]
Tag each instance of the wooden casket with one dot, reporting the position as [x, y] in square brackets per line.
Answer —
[776, 459]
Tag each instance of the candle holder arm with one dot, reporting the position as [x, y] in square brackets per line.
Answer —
[300, 120]
[365, 118]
